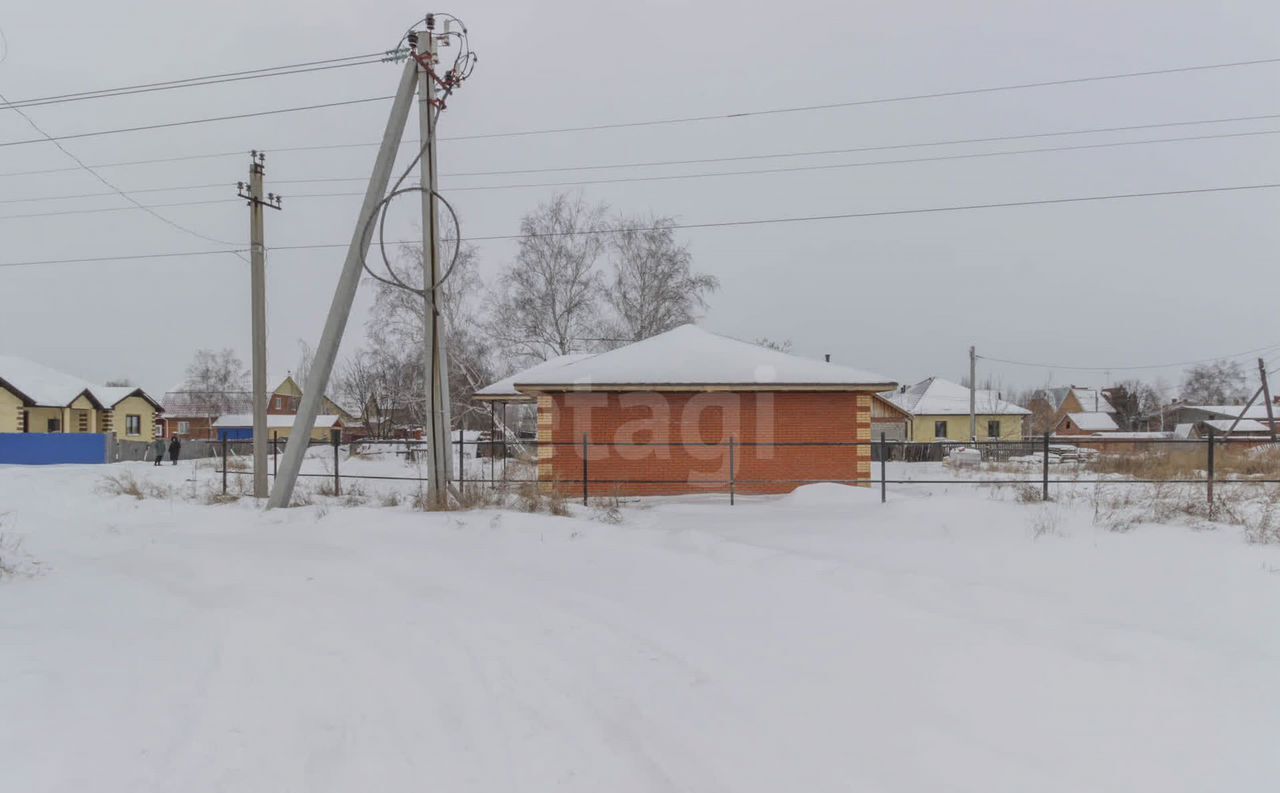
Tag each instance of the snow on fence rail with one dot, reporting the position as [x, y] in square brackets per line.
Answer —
[1206, 462]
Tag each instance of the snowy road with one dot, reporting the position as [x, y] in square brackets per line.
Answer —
[818, 642]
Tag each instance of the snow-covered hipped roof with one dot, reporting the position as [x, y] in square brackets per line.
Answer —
[690, 358]
[505, 389]
[274, 420]
[1094, 421]
[938, 397]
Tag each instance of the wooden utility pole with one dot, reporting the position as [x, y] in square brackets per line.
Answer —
[973, 394]
[1266, 394]
[258, 311]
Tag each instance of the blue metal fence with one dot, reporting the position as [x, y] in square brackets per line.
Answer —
[52, 449]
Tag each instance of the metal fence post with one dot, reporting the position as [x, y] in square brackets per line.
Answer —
[1209, 480]
[336, 436]
[732, 477]
[884, 456]
[585, 455]
[275, 452]
[1044, 495]
[224, 465]
[461, 464]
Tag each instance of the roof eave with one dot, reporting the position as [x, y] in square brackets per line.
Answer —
[699, 387]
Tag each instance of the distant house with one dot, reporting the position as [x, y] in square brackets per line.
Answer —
[1049, 405]
[37, 399]
[1090, 423]
[194, 415]
[1180, 413]
[939, 410]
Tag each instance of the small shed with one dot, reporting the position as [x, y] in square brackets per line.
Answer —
[1086, 424]
[688, 411]
[239, 426]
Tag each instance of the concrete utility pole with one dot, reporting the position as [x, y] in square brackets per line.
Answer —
[340, 309]
[435, 363]
[1266, 394]
[973, 394]
[258, 312]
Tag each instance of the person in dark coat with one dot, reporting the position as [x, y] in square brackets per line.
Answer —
[157, 448]
[175, 446]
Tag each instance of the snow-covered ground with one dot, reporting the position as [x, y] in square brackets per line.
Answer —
[948, 640]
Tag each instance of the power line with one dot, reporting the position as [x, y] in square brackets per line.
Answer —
[840, 166]
[173, 224]
[877, 101]
[655, 163]
[124, 258]
[667, 177]
[685, 119]
[148, 207]
[213, 79]
[1131, 368]
[863, 149]
[730, 223]
[189, 122]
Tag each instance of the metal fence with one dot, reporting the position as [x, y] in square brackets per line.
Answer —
[1093, 460]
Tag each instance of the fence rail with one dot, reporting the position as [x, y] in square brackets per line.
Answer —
[1084, 452]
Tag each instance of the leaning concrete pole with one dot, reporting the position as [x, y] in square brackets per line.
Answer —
[327, 352]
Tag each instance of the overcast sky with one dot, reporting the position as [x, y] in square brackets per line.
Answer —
[1111, 284]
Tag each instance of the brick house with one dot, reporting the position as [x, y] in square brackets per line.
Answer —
[192, 415]
[659, 416]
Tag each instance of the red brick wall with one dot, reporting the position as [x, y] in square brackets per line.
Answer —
[612, 421]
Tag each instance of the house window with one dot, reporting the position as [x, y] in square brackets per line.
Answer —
[939, 429]
[54, 425]
[280, 400]
[184, 427]
[132, 424]
[993, 429]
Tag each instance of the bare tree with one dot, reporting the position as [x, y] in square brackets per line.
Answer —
[397, 323]
[653, 287]
[1135, 401]
[215, 380]
[303, 368]
[550, 298]
[119, 382]
[1221, 382]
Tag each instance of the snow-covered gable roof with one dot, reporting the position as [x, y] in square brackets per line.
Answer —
[1245, 425]
[1258, 412]
[938, 397]
[40, 384]
[112, 395]
[690, 358]
[505, 389]
[1092, 400]
[274, 420]
[1094, 421]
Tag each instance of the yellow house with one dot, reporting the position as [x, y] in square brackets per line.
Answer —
[128, 412]
[37, 399]
[939, 411]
